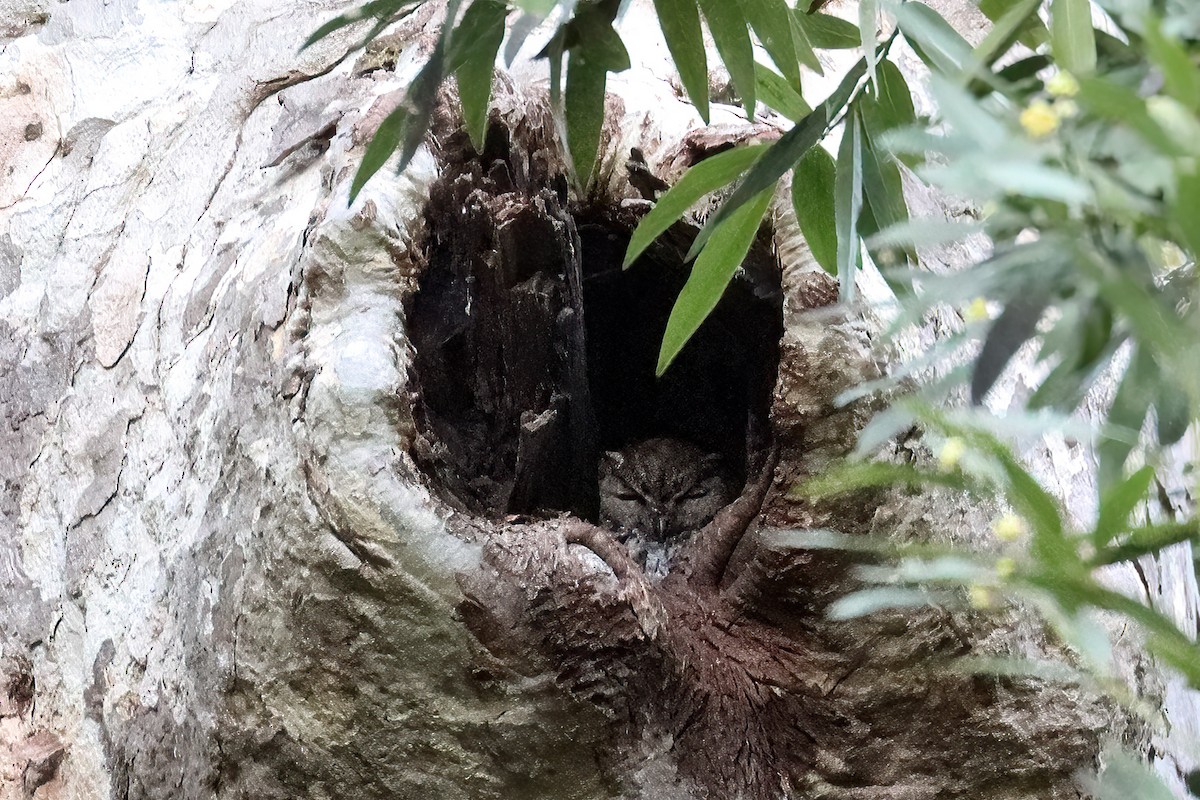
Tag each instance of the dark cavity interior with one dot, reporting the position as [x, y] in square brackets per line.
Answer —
[535, 351]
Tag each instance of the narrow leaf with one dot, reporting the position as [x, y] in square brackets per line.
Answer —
[826, 32]
[728, 29]
[784, 154]
[707, 176]
[1172, 412]
[775, 93]
[1125, 416]
[804, 47]
[1118, 502]
[1032, 35]
[1015, 325]
[1185, 207]
[771, 21]
[868, 22]
[379, 9]
[538, 8]
[894, 105]
[584, 111]
[934, 40]
[812, 199]
[883, 189]
[848, 196]
[474, 46]
[680, 23]
[1006, 31]
[710, 275]
[1179, 72]
[1072, 37]
[868, 601]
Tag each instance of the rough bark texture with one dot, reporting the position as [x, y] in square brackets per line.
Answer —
[234, 561]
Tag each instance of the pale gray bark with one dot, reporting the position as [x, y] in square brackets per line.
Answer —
[221, 574]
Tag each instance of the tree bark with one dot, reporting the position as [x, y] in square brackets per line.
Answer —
[236, 559]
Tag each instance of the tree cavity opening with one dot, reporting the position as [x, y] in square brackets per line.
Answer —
[535, 351]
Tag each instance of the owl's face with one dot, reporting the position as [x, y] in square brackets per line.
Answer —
[660, 488]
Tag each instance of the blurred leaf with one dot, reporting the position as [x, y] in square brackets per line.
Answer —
[1148, 540]
[1024, 69]
[1072, 37]
[473, 48]
[1032, 35]
[1117, 503]
[377, 9]
[784, 153]
[774, 92]
[728, 29]
[1015, 325]
[771, 20]
[923, 232]
[538, 8]
[853, 477]
[933, 39]
[868, 601]
[847, 202]
[1172, 411]
[680, 23]
[1124, 106]
[827, 32]
[709, 175]
[812, 199]
[710, 275]
[1007, 29]
[1126, 415]
[1179, 72]
[1185, 207]
[1124, 777]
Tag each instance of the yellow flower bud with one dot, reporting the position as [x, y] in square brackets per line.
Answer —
[951, 453]
[980, 597]
[1063, 85]
[977, 311]
[1039, 119]
[1009, 528]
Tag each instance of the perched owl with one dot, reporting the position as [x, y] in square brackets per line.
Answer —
[656, 493]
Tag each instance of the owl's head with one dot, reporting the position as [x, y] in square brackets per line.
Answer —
[660, 488]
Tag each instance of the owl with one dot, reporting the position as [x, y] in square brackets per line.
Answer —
[654, 494]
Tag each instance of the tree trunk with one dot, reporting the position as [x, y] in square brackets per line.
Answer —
[298, 496]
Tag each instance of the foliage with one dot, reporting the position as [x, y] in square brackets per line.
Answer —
[1080, 148]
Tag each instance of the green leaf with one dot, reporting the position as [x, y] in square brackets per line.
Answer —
[707, 176]
[784, 154]
[847, 202]
[680, 23]
[378, 10]
[728, 29]
[868, 601]
[1185, 207]
[1118, 502]
[1148, 540]
[538, 8]
[883, 188]
[597, 50]
[803, 47]
[826, 32]
[937, 44]
[1172, 412]
[893, 107]
[1032, 35]
[774, 92]
[473, 48]
[812, 199]
[404, 128]
[710, 275]
[1008, 28]
[1072, 37]
[1123, 105]
[1126, 415]
[1015, 325]
[771, 21]
[868, 21]
[853, 477]
[1179, 73]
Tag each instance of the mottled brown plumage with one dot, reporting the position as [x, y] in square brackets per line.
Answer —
[656, 493]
